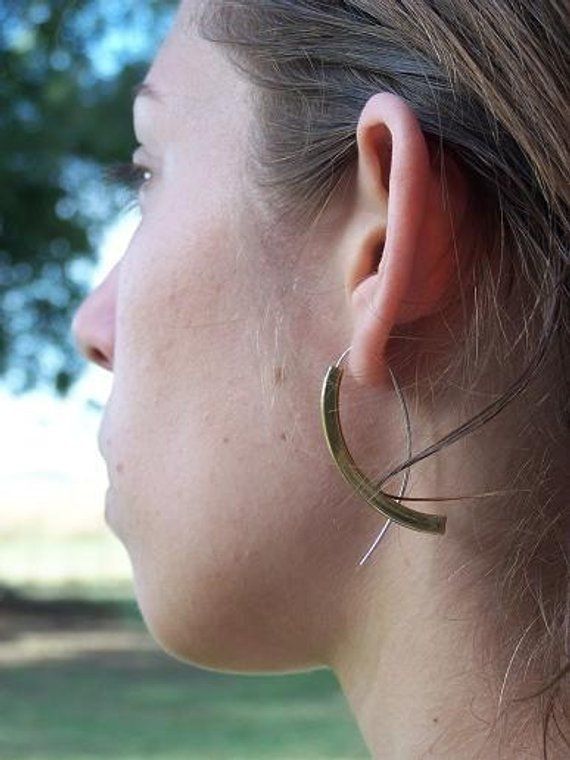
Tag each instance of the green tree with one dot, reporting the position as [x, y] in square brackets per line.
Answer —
[67, 70]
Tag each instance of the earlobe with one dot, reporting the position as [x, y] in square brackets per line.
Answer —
[397, 262]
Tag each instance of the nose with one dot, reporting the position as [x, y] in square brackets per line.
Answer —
[93, 326]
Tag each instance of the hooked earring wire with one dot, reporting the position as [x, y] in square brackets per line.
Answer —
[406, 477]
[371, 492]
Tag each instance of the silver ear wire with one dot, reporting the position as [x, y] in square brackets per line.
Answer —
[406, 477]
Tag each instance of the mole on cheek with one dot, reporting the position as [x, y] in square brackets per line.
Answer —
[120, 467]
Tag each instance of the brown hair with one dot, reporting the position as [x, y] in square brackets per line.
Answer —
[488, 82]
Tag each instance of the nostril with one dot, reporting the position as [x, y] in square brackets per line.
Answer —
[98, 357]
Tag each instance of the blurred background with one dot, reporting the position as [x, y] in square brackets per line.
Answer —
[80, 677]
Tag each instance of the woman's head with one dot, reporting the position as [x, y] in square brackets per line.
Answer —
[320, 175]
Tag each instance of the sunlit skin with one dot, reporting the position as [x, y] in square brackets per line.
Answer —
[244, 539]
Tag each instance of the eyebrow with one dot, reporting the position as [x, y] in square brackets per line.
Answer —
[145, 90]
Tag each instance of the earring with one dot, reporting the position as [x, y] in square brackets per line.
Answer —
[370, 492]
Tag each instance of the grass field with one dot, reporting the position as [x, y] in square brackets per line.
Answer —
[82, 679]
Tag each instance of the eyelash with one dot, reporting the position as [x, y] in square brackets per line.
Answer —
[128, 176]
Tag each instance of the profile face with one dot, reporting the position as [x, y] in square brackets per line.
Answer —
[220, 481]
[219, 324]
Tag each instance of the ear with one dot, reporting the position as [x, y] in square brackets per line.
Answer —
[399, 248]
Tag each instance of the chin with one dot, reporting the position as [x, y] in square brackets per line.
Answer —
[201, 629]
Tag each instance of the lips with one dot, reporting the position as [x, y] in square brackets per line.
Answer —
[100, 442]
[103, 438]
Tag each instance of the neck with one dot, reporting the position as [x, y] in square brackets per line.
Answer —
[413, 682]
[420, 660]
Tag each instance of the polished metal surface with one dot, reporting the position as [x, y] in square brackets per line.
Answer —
[368, 490]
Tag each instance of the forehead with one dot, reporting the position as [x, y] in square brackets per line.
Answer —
[189, 69]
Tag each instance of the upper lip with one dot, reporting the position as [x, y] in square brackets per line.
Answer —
[100, 442]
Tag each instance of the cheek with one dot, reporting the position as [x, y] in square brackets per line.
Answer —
[221, 505]
[220, 524]
[220, 475]
[181, 330]
[189, 446]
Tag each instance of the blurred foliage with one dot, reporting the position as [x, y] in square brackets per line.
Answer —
[67, 70]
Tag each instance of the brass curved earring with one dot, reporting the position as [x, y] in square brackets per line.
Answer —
[371, 493]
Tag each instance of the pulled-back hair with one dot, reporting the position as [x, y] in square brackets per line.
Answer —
[488, 81]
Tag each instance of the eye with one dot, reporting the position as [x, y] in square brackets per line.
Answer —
[131, 177]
